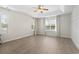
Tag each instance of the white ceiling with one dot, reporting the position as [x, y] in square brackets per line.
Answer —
[52, 10]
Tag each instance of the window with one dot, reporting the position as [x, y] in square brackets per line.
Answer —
[3, 22]
[33, 25]
[50, 24]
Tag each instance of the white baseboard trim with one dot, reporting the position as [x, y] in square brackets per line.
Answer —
[19, 37]
[76, 44]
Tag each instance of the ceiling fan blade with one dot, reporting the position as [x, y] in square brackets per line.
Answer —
[39, 6]
[45, 9]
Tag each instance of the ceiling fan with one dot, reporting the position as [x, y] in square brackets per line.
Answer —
[40, 8]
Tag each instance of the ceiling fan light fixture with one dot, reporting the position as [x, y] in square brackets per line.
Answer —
[41, 9]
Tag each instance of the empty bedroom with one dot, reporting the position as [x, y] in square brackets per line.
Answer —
[39, 29]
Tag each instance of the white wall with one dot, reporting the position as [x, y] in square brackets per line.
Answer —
[75, 25]
[19, 25]
[64, 25]
[0, 24]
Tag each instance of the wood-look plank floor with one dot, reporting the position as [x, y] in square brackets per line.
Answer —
[39, 45]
